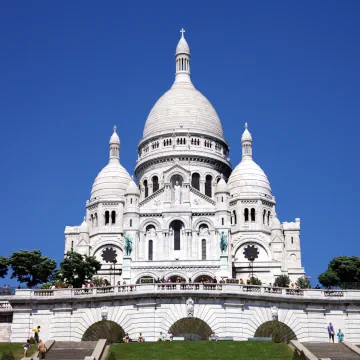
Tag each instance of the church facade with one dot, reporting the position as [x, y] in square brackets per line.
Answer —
[191, 216]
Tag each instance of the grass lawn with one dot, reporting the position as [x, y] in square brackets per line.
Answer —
[204, 350]
[17, 349]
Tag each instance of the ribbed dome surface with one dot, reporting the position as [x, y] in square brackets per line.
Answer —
[111, 182]
[183, 107]
[248, 179]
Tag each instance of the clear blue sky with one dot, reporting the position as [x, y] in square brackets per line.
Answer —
[71, 70]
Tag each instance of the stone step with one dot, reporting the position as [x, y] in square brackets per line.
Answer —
[64, 350]
[331, 351]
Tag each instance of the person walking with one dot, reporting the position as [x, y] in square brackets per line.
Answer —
[36, 334]
[331, 332]
[340, 336]
[42, 350]
[26, 347]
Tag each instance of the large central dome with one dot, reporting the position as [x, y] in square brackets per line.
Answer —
[183, 107]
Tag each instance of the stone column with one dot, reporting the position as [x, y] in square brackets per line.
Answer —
[126, 273]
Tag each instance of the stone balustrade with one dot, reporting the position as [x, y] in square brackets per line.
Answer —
[190, 288]
[5, 306]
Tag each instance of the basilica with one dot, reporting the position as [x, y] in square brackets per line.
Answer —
[188, 214]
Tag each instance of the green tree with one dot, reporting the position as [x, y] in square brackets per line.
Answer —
[31, 267]
[4, 266]
[76, 268]
[112, 356]
[303, 282]
[341, 270]
[282, 281]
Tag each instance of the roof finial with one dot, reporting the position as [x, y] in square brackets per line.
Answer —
[246, 125]
[115, 128]
[182, 33]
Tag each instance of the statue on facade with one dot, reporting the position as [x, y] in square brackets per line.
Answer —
[223, 242]
[104, 312]
[190, 307]
[177, 193]
[128, 245]
[274, 312]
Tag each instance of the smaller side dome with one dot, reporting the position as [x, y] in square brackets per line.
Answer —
[275, 224]
[132, 188]
[84, 227]
[222, 186]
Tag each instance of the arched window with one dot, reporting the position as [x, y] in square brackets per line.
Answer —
[155, 182]
[146, 188]
[264, 216]
[92, 219]
[222, 199]
[268, 218]
[130, 222]
[222, 221]
[113, 217]
[246, 214]
[252, 214]
[107, 217]
[150, 257]
[292, 240]
[130, 200]
[149, 227]
[234, 216]
[195, 181]
[208, 185]
[96, 219]
[176, 227]
[203, 249]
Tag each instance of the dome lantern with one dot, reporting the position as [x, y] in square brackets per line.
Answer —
[246, 143]
[114, 146]
[182, 60]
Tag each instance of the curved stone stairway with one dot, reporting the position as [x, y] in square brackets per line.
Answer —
[331, 351]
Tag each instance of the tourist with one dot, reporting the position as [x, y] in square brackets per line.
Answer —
[26, 347]
[317, 287]
[126, 338]
[189, 280]
[169, 336]
[331, 332]
[241, 282]
[214, 280]
[36, 334]
[340, 336]
[213, 337]
[42, 350]
[161, 337]
[141, 338]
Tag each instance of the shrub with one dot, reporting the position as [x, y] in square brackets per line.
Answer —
[254, 281]
[112, 356]
[32, 340]
[8, 355]
[303, 282]
[282, 281]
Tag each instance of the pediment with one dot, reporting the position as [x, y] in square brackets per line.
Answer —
[199, 199]
[177, 169]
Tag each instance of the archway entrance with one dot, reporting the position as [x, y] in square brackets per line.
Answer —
[191, 329]
[176, 279]
[105, 329]
[203, 279]
[277, 330]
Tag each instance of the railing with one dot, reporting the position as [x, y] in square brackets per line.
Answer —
[153, 288]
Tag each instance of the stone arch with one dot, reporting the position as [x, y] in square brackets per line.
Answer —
[277, 330]
[114, 243]
[252, 240]
[203, 220]
[147, 222]
[175, 273]
[180, 218]
[104, 329]
[191, 329]
[146, 273]
[202, 273]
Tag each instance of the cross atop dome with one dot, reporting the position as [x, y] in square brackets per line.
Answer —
[115, 128]
[246, 125]
[182, 33]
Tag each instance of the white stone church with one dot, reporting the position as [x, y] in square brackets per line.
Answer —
[188, 198]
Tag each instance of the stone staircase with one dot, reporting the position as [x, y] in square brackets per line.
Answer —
[331, 351]
[63, 350]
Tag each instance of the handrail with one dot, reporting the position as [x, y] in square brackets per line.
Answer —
[191, 287]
